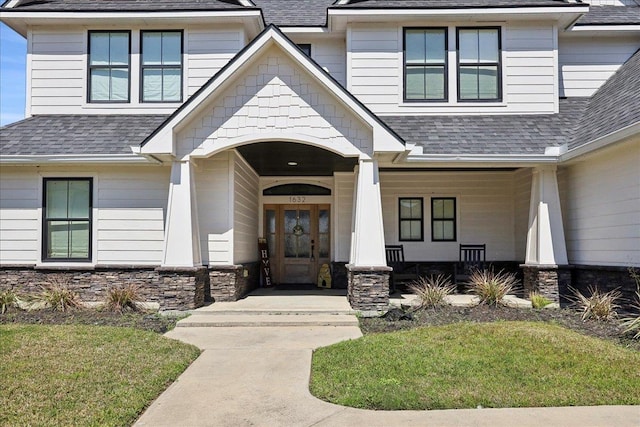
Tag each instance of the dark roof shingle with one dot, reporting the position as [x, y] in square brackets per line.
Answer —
[299, 13]
[125, 5]
[496, 134]
[76, 134]
[611, 15]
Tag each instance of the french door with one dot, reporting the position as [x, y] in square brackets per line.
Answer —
[299, 240]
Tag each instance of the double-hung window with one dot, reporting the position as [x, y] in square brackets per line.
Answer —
[425, 64]
[161, 66]
[479, 64]
[67, 219]
[443, 219]
[411, 219]
[109, 66]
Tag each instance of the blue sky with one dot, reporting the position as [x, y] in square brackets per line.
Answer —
[13, 56]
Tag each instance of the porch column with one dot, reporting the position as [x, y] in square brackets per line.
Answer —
[368, 287]
[182, 237]
[545, 268]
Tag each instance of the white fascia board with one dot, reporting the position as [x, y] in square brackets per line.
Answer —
[604, 28]
[304, 30]
[176, 14]
[612, 138]
[486, 159]
[515, 11]
[74, 158]
[384, 140]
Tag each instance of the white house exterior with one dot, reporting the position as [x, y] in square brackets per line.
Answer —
[164, 138]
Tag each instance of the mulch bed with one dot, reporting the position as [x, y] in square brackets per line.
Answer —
[398, 319]
[139, 320]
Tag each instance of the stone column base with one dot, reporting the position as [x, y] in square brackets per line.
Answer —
[232, 282]
[550, 281]
[368, 287]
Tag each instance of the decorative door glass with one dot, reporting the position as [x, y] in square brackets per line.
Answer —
[297, 233]
[323, 233]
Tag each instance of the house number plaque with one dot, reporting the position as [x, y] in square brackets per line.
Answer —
[297, 199]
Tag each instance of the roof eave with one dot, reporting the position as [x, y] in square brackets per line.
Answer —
[603, 141]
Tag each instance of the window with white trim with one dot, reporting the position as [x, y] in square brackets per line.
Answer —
[479, 74]
[161, 66]
[411, 219]
[109, 58]
[425, 64]
[443, 219]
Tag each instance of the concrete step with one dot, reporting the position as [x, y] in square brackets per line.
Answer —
[242, 319]
[272, 312]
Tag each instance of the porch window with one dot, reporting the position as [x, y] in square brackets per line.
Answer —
[443, 219]
[425, 64]
[161, 66]
[109, 66]
[479, 64]
[67, 219]
[411, 219]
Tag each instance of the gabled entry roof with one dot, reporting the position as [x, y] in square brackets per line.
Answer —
[162, 141]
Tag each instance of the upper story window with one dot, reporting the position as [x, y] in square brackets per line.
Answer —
[161, 63]
[109, 53]
[479, 64]
[306, 48]
[425, 64]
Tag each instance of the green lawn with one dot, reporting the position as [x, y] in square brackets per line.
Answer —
[84, 375]
[463, 365]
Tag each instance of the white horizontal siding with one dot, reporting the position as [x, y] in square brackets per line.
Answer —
[131, 204]
[213, 190]
[245, 211]
[602, 207]
[329, 52]
[485, 209]
[19, 216]
[375, 71]
[587, 62]
[522, 196]
[208, 50]
[57, 63]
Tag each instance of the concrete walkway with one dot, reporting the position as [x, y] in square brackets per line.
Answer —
[259, 376]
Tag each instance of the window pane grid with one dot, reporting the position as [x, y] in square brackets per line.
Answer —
[161, 66]
[479, 64]
[411, 219]
[425, 64]
[109, 66]
[443, 219]
[67, 219]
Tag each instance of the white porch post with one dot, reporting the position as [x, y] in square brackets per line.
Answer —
[545, 238]
[367, 239]
[182, 237]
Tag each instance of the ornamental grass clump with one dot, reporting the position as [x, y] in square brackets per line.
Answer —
[58, 297]
[432, 290]
[598, 305]
[492, 287]
[8, 299]
[631, 324]
[124, 298]
[539, 301]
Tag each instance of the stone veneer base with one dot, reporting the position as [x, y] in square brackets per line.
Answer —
[173, 288]
[551, 281]
[232, 282]
[368, 287]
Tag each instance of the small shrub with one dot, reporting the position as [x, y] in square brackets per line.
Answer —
[431, 291]
[8, 299]
[539, 301]
[598, 305]
[123, 298]
[632, 323]
[57, 296]
[492, 287]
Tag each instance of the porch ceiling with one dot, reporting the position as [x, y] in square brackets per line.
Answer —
[273, 158]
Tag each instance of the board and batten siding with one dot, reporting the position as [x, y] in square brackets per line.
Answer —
[529, 52]
[587, 62]
[485, 211]
[601, 206]
[344, 183]
[128, 213]
[245, 211]
[57, 68]
[213, 192]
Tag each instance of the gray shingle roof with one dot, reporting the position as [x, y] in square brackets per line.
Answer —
[76, 134]
[125, 5]
[611, 15]
[454, 4]
[499, 134]
[614, 106]
[298, 13]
